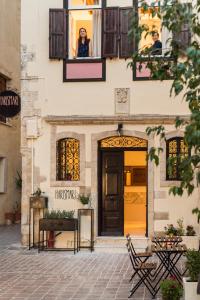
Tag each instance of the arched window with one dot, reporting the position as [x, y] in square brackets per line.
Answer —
[68, 160]
[176, 148]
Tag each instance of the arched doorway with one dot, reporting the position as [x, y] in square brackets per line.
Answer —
[122, 185]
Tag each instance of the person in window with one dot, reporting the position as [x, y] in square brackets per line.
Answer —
[83, 44]
[156, 48]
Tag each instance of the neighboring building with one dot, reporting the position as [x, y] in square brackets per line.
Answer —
[84, 119]
[10, 158]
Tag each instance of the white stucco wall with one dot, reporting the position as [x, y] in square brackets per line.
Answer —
[44, 93]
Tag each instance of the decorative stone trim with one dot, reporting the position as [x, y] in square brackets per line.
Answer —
[94, 184]
[160, 194]
[54, 138]
[163, 161]
[131, 119]
[161, 216]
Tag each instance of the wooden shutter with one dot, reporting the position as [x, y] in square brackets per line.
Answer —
[110, 31]
[57, 33]
[126, 44]
[183, 38]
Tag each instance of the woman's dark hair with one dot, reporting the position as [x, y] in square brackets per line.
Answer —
[80, 38]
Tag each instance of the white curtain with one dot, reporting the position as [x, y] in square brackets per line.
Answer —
[96, 45]
[166, 39]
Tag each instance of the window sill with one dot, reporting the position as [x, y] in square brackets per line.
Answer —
[6, 124]
[84, 70]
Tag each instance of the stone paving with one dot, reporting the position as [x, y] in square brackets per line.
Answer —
[28, 275]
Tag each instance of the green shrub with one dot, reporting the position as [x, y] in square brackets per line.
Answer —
[171, 289]
[171, 230]
[193, 264]
[59, 214]
[84, 199]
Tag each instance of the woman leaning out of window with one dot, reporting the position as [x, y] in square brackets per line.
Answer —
[84, 45]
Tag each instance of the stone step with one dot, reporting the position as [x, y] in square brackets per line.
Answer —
[118, 244]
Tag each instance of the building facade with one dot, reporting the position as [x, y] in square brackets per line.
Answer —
[10, 158]
[84, 118]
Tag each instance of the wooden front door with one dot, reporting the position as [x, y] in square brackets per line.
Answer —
[112, 193]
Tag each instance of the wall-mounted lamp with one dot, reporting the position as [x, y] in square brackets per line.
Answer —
[120, 128]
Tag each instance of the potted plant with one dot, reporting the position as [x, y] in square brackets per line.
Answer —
[190, 239]
[190, 283]
[85, 200]
[171, 289]
[17, 214]
[38, 200]
[9, 218]
[170, 230]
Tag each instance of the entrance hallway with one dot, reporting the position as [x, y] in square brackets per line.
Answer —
[135, 192]
[27, 275]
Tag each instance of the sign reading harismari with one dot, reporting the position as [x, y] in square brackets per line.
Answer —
[10, 104]
[66, 194]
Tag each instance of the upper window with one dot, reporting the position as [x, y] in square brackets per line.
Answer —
[158, 41]
[84, 33]
[77, 4]
[177, 149]
[68, 160]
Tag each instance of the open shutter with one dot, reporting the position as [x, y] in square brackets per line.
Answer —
[110, 31]
[183, 38]
[57, 33]
[126, 45]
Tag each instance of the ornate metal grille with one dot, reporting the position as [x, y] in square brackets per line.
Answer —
[2, 89]
[123, 142]
[68, 160]
[177, 149]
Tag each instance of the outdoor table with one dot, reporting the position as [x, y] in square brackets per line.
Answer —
[162, 240]
[169, 256]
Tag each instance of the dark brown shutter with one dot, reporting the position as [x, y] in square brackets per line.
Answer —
[183, 38]
[126, 44]
[57, 33]
[110, 32]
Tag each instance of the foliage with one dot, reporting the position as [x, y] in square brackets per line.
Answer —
[197, 212]
[193, 264]
[18, 181]
[180, 228]
[84, 199]
[190, 231]
[180, 63]
[38, 192]
[58, 214]
[171, 230]
[171, 289]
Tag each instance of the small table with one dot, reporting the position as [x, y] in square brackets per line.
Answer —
[86, 212]
[169, 255]
[162, 240]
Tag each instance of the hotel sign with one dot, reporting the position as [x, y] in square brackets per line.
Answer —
[67, 194]
[10, 104]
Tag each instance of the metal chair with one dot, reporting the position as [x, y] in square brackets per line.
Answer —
[142, 269]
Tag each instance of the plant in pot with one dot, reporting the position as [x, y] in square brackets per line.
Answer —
[171, 289]
[190, 283]
[55, 220]
[17, 214]
[85, 200]
[171, 230]
[9, 218]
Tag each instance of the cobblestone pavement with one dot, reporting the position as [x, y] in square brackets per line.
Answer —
[28, 275]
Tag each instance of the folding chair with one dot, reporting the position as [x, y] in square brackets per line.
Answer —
[143, 270]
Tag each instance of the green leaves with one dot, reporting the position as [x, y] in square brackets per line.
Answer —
[182, 66]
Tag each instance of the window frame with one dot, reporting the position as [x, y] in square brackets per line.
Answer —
[145, 58]
[59, 166]
[178, 140]
[3, 174]
[68, 60]
[84, 7]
